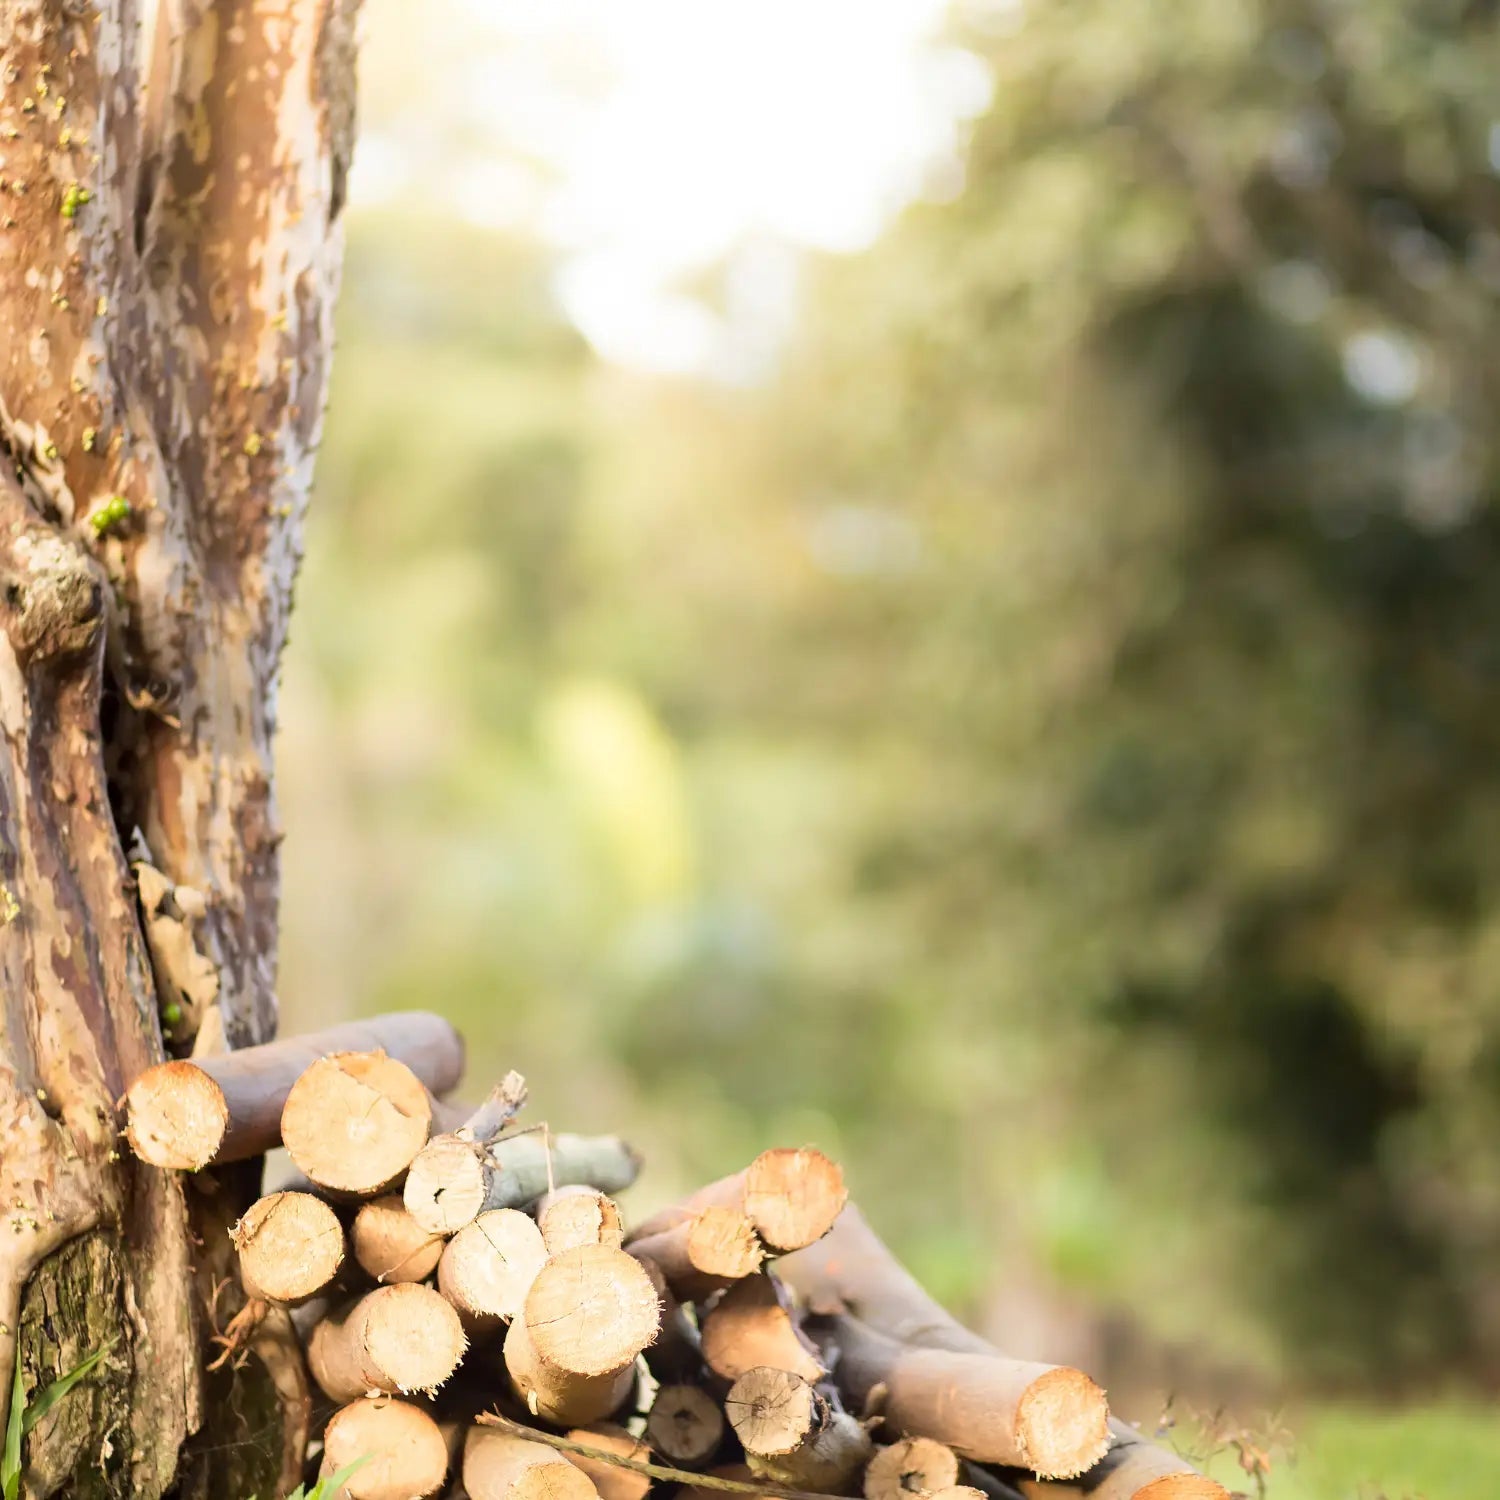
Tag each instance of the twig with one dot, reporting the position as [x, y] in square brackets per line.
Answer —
[641, 1466]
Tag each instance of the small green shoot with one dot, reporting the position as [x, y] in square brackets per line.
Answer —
[111, 513]
[74, 197]
[329, 1484]
[23, 1417]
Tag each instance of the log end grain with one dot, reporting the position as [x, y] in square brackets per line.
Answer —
[1062, 1424]
[395, 1339]
[723, 1242]
[773, 1411]
[447, 1185]
[402, 1454]
[1183, 1487]
[489, 1265]
[500, 1467]
[176, 1117]
[390, 1245]
[578, 1215]
[591, 1310]
[749, 1326]
[793, 1196]
[911, 1466]
[685, 1426]
[353, 1121]
[290, 1246]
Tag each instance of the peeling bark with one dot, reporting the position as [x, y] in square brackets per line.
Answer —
[169, 255]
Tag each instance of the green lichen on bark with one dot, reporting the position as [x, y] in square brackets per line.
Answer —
[74, 1306]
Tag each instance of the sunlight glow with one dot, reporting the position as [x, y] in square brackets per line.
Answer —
[654, 141]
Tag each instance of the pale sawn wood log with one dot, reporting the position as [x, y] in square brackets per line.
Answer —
[910, 1467]
[487, 1268]
[189, 1114]
[610, 1480]
[390, 1245]
[685, 1425]
[353, 1122]
[791, 1196]
[498, 1466]
[454, 1179]
[852, 1269]
[705, 1251]
[751, 1324]
[562, 1397]
[591, 1311]
[290, 1247]
[1049, 1419]
[397, 1339]
[578, 1215]
[401, 1452]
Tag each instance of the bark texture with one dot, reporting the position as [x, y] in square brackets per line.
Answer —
[169, 253]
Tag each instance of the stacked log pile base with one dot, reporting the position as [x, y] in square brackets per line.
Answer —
[481, 1321]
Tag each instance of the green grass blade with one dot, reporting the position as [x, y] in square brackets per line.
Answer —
[10, 1461]
[60, 1388]
[327, 1485]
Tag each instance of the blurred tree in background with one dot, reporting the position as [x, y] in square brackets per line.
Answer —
[1040, 744]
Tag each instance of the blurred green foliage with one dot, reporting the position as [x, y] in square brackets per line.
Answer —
[1041, 746]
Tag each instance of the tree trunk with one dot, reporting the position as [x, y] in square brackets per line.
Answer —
[170, 192]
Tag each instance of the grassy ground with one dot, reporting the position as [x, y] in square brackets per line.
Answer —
[1442, 1452]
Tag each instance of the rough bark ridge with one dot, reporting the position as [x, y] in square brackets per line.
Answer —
[170, 190]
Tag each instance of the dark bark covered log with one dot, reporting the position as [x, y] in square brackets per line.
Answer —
[165, 330]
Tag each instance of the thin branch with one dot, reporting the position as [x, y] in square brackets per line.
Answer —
[641, 1466]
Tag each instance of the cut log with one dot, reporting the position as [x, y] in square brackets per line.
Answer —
[1049, 1419]
[611, 1481]
[500, 1467]
[912, 1466]
[455, 1179]
[852, 1269]
[354, 1121]
[706, 1250]
[1132, 1471]
[401, 1452]
[685, 1426]
[676, 1356]
[226, 1108]
[591, 1311]
[390, 1245]
[774, 1412]
[751, 1325]
[578, 1215]
[562, 1397]
[828, 1463]
[290, 1246]
[395, 1339]
[792, 1197]
[488, 1267]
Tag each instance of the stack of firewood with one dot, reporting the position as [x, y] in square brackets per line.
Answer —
[470, 1301]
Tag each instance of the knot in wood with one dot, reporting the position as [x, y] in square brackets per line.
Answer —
[54, 603]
